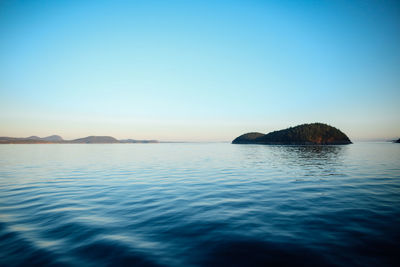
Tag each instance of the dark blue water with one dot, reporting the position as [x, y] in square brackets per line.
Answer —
[200, 205]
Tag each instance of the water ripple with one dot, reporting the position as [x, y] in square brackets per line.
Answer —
[200, 205]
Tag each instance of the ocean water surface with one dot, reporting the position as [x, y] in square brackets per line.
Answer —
[199, 205]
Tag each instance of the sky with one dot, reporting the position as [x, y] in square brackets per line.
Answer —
[198, 70]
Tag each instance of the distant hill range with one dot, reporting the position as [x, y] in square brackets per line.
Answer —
[56, 139]
[51, 138]
[305, 134]
[95, 140]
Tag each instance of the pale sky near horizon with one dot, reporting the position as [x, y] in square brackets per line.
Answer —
[198, 70]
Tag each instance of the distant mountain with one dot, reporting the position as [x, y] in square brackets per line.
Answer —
[34, 137]
[53, 138]
[305, 134]
[29, 140]
[95, 140]
[56, 139]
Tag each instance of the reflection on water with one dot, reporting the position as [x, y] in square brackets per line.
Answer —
[299, 161]
[200, 205]
[315, 161]
[321, 153]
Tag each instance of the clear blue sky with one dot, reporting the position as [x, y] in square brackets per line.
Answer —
[198, 70]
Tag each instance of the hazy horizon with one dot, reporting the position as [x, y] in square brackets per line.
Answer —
[187, 140]
[198, 71]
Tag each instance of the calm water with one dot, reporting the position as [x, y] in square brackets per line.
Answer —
[200, 205]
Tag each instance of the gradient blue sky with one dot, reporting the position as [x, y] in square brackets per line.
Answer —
[198, 70]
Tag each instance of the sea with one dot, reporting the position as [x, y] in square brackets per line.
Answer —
[199, 204]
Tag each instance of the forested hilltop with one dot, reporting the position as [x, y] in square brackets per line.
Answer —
[305, 134]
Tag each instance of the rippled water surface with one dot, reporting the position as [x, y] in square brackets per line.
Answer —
[200, 205]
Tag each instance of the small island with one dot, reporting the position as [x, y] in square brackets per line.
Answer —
[397, 141]
[305, 134]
